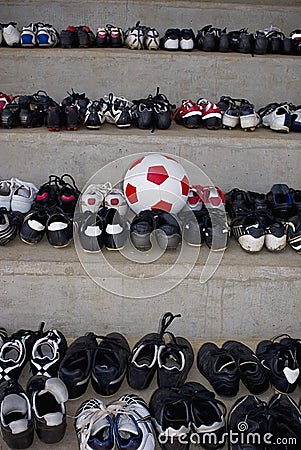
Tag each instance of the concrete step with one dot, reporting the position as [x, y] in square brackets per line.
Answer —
[247, 296]
[69, 442]
[160, 14]
[229, 158]
[136, 74]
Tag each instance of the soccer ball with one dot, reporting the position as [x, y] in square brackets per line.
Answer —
[156, 182]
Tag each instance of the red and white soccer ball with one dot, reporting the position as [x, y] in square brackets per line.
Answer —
[154, 182]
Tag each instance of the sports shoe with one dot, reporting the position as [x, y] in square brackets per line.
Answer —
[94, 425]
[296, 119]
[53, 119]
[118, 111]
[193, 227]
[231, 115]
[194, 200]
[294, 233]
[110, 364]
[134, 37]
[143, 362]
[47, 195]
[90, 229]
[17, 425]
[170, 411]
[68, 195]
[187, 39]
[245, 42]
[249, 119]
[220, 368]
[92, 199]
[248, 415]
[10, 114]
[280, 201]
[279, 357]
[211, 114]
[188, 114]
[175, 359]
[11, 34]
[168, 231]
[132, 423]
[10, 223]
[86, 37]
[48, 397]
[284, 418]
[116, 229]
[7, 188]
[102, 38]
[5, 100]
[171, 39]
[34, 226]
[76, 367]
[94, 117]
[23, 195]
[275, 39]
[216, 230]
[47, 352]
[28, 35]
[33, 108]
[207, 38]
[260, 43]
[249, 231]
[276, 117]
[115, 36]
[74, 109]
[47, 35]
[59, 228]
[151, 39]
[154, 111]
[141, 228]
[251, 371]
[69, 37]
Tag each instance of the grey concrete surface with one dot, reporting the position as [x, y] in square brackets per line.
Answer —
[248, 297]
[230, 158]
[162, 15]
[261, 79]
[69, 441]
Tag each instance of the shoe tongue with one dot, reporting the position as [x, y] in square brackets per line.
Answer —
[53, 419]
[291, 375]
[18, 426]
[126, 425]
[100, 424]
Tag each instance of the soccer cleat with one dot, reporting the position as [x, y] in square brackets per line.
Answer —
[151, 39]
[280, 201]
[132, 423]
[34, 226]
[76, 367]
[94, 425]
[53, 119]
[59, 228]
[48, 397]
[116, 229]
[249, 231]
[296, 119]
[187, 39]
[260, 43]
[211, 114]
[134, 37]
[188, 114]
[154, 111]
[94, 117]
[69, 37]
[219, 367]
[171, 39]
[47, 352]
[231, 117]
[251, 371]
[11, 34]
[168, 231]
[10, 114]
[279, 357]
[17, 425]
[216, 229]
[90, 229]
[110, 364]
[68, 195]
[46, 35]
[175, 359]
[46, 196]
[10, 223]
[28, 35]
[249, 119]
[277, 117]
[117, 110]
[294, 233]
[194, 200]
[115, 199]
[141, 228]
[92, 199]
[193, 227]
[23, 195]
[248, 417]
[74, 109]
[207, 38]
[102, 37]
[86, 37]
[5, 100]
[115, 36]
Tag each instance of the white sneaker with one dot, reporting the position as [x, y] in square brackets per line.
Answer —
[7, 188]
[23, 195]
[279, 119]
[115, 199]
[93, 197]
[152, 39]
[28, 36]
[11, 34]
[47, 36]
[134, 38]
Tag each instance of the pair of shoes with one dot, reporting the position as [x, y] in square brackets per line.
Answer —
[95, 196]
[105, 363]
[34, 109]
[224, 366]
[176, 39]
[281, 117]
[10, 34]
[168, 355]
[109, 36]
[275, 421]
[73, 110]
[141, 37]
[238, 112]
[118, 111]
[163, 224]
[188, 414]
[40, 35]
[124, 423]
[104, 228]
[194, 114]
[282, 359]
[41, 407]
[81, 37]
[17, 195]
[52, 213]
[152, 112]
